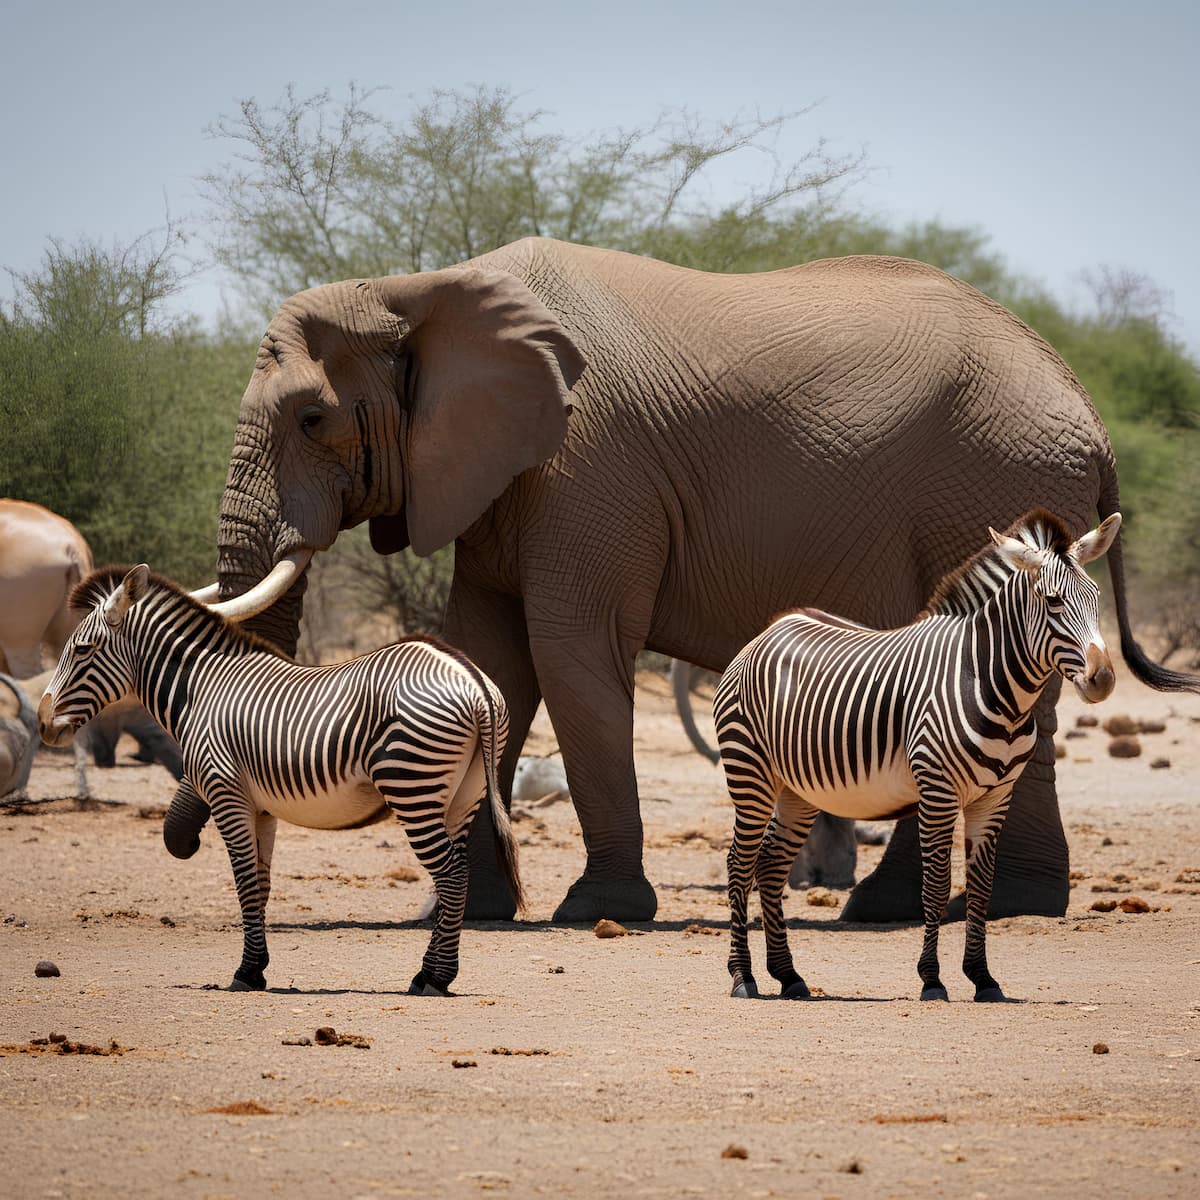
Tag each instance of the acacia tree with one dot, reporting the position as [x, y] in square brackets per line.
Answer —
[322, 189]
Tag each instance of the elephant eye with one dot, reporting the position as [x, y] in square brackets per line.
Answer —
[311, 417]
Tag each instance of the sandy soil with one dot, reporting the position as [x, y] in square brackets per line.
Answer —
[572, 1066]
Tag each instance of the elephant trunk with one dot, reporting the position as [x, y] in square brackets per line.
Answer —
[238, 571]
[185, 818]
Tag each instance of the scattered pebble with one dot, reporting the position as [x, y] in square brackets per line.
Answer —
[463, 1062]
[300, 1041]
[46, 970]
[1152, 727]
[1100, 1048]
[1087, 721]
[403, 874]
[557, 971]
[820, 897]
[1075, 733]
[605, 928]
[241, 1108]
[707, 930]
[735, 1151]
[170, 924]
[1134, 904]
[1060, 751]
[505, 1050]
[1159, 764]
[851, 1167]
[1124, 746]
[1103, 905]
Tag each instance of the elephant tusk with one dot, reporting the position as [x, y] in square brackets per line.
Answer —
[260, 597]
[206, 595]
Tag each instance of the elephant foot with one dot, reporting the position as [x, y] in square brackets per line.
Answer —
[885, 898]
[744, 987]
[934, 991]
[590, 899]
[424, 986]
[248, 980]
[990, 995]
[1019, 896]
[488, 899]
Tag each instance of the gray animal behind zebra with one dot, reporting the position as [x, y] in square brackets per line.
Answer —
[818, 714]
[414, 726]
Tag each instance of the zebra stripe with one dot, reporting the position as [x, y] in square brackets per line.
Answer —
[414, 726]
[817, 713]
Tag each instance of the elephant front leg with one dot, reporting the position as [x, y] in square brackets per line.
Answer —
[489, 628]
[588, 685]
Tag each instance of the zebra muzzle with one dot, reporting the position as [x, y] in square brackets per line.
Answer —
[1097, 679]
[54, 730]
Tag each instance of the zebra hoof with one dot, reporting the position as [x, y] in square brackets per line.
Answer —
[745, 989]
[990, 995]
[421, 986]
[797, 990]
[934, 992]
[248, 985]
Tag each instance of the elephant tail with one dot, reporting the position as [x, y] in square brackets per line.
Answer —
[1152, 674]
[491, 714]
[681, 686]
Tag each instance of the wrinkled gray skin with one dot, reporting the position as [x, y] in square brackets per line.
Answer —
[830, 853]
[839, 434]
[18, 736]
[155, 744]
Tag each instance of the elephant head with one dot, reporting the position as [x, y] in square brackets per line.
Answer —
[410, 401]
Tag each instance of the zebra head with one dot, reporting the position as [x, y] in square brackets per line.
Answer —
[1064, 613]
[96, 667]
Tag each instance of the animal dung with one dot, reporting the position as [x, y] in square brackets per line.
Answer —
[735, 1151]
[820, 897]
[1119, 725]
[1133, 904]
[326, 1035]
[1100, 1048]
[1087, 721]
[605, 928]
[1103, 905]
[1124, 746]
[1160, 764]
[1152, 727]
[46, 970]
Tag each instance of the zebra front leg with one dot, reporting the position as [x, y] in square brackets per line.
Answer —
[935, 818]
[984, 820]
[786, 834]
[237, 822]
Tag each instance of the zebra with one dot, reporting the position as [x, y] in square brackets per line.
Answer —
[414, 726]
[818, 713]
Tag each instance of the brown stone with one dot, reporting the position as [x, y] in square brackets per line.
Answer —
[1152, 727]
[1160, 764]
[1119, 725]
[46, 970]
[1087, 721]
[734, 1151]
[1134, 904]
[1103, 905]
[1100, 1048]
[605, 928]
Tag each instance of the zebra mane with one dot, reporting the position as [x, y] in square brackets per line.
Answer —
[101, 583]
[969, 586]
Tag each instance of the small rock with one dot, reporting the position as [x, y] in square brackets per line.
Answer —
[557, 970]
[820, 897]
[1152, 727]
[1075, 733]
[605, 928]
[463, 1062]
[852, 1167]
[1087, 721]
[403, 874]
[1125, 746]
[1060, 751]
[735, 1151]
[1134, 904]
[1160, 764]
[1103, 905]
[1100, 1048]
[46, 970]
[1119, 725]
[300, 1041]
[167, 922]
[57, 1038]
[1106, 841]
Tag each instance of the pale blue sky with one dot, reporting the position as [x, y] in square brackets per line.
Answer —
[1069, 131]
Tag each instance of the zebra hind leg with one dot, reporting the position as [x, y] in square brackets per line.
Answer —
[752, 816]
[983, 823]
[786, 834]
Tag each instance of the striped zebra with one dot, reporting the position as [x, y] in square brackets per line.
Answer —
[414, 726]
[820, 714]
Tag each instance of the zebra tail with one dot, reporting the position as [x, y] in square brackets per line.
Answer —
[506, 843]
[1153, 674]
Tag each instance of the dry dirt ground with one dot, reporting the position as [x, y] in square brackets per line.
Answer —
[567, 1065]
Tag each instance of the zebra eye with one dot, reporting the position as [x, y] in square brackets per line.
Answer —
[84, 649]
[1054, 602]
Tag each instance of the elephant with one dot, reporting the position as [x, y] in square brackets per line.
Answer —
[18, 736]
[42, 557]
[628, 454]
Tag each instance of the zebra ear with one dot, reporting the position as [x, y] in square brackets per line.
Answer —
[1093, 545]
[133, 587]
[1016, 553]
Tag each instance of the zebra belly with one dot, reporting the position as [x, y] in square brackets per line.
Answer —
[353, 801]
[887, 794]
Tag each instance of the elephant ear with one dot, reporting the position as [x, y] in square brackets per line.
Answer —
[489, 395]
